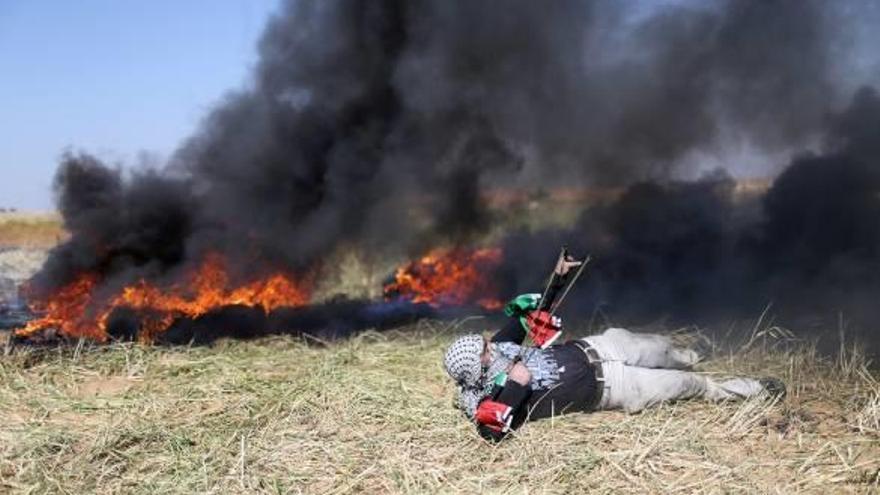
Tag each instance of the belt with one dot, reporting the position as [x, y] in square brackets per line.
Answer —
[596, 363]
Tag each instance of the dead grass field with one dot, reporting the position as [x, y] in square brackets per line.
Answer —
[30, 230]
[374, 414]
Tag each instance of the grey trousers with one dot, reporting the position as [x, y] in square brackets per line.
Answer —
[642, 370]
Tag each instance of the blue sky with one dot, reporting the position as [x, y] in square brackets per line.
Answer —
[112, 77]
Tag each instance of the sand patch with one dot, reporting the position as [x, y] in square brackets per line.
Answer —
[105, 387]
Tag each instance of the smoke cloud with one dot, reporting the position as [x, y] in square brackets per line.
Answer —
[700, 250]
[381, 124]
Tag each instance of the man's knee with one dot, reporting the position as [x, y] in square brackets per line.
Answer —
[634, 406]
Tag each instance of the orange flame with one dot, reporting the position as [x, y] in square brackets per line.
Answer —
[66, 310]
[451, 277]
[74, 313]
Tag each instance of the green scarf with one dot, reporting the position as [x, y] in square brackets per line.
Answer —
[522, 305]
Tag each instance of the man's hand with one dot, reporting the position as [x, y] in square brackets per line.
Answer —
[520, 374]
[565, 263]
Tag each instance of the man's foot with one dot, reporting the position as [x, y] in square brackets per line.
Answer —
[704, 348]
[774, 387]
[684, 358]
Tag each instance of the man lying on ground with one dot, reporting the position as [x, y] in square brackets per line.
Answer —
[502, 383]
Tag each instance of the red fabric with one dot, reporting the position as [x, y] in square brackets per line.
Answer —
[495, 415]
[543, 329]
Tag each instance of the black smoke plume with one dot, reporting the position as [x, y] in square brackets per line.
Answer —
[691, 251]
[380, 124]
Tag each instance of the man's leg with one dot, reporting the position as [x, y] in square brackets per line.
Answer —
[642, 349]
[633, 388]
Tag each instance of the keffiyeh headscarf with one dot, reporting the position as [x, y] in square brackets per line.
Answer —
[475, 382]
[463, 363]
[462, 360]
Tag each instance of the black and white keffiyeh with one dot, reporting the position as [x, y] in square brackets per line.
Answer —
[541, 365]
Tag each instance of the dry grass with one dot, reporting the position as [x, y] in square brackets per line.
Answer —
[374, 414]
[30, 230]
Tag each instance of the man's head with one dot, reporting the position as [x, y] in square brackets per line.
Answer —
[465, 359]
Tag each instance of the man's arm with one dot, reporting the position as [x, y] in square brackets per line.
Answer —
[512, 331]
[552, 292]
[495, 415]
[564, 265]
[515, 329]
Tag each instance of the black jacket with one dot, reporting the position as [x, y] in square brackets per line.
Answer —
[572, 389]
